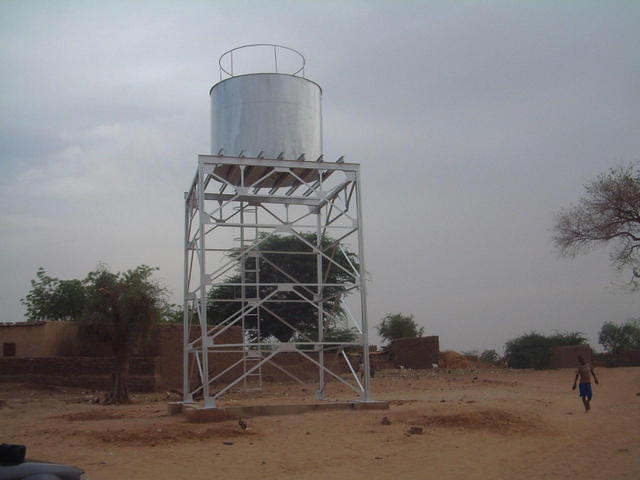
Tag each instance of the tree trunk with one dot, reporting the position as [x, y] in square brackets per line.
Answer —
[119, 379]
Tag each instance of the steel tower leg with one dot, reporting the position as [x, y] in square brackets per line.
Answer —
[319, 305]
[186, 391]
[202, 304]
[366, 394]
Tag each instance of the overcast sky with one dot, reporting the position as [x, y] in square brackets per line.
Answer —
[474, 123]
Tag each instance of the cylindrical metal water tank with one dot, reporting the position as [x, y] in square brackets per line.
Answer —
[271, 113]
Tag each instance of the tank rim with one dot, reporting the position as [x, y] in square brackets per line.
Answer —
[255, 46]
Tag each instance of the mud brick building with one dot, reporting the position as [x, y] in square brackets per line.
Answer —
[52, 353]
[567, 357]
[415, 353]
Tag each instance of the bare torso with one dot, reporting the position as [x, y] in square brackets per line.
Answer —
[584, 371]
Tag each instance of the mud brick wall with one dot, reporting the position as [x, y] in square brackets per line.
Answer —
[85, 372]
[169, 345]
[59, 357]
[170, 356]
[61, 339]
[39, 339]
[302, 368]
[629, 358]
[292, 362]
[170, 360]
[567, 357]
[415, 353]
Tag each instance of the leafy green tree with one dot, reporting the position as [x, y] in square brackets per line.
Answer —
[618, 338]
[608, 214]
[490, 356]
[53, 299]
[341, 334]
[276, 266]
[398, 326]
[122, 308]
[172, 313]
[533, 350]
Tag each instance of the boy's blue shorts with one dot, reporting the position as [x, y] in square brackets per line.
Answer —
[585, 390]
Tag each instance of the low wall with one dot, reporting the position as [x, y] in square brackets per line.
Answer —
[417, 353]
[169, 346]
[628, 358]
[567, 357]
[52, 353]
[294, 363]
[302, 368]
[85, 372]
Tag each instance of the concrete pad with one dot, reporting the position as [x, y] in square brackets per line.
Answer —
[203, 415]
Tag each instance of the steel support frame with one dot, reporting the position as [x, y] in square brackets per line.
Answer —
[213, 206]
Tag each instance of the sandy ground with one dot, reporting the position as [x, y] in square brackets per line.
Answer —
[476, 425]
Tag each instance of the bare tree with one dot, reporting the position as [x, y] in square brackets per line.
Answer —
[608, 214]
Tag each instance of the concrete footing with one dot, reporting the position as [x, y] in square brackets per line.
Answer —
[197, 414]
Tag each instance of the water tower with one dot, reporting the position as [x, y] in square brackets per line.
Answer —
[273, 246]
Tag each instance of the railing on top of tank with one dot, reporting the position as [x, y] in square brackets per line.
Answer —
[229, 53]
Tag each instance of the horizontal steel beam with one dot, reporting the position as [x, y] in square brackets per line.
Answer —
[271, 346]
[215, 160]
[227, 197]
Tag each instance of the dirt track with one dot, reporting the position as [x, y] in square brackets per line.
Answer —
[476, 425]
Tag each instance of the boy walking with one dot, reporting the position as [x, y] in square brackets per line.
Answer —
[584, 372]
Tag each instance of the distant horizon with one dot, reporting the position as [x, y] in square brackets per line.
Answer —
[474, 124]
[597, 347]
